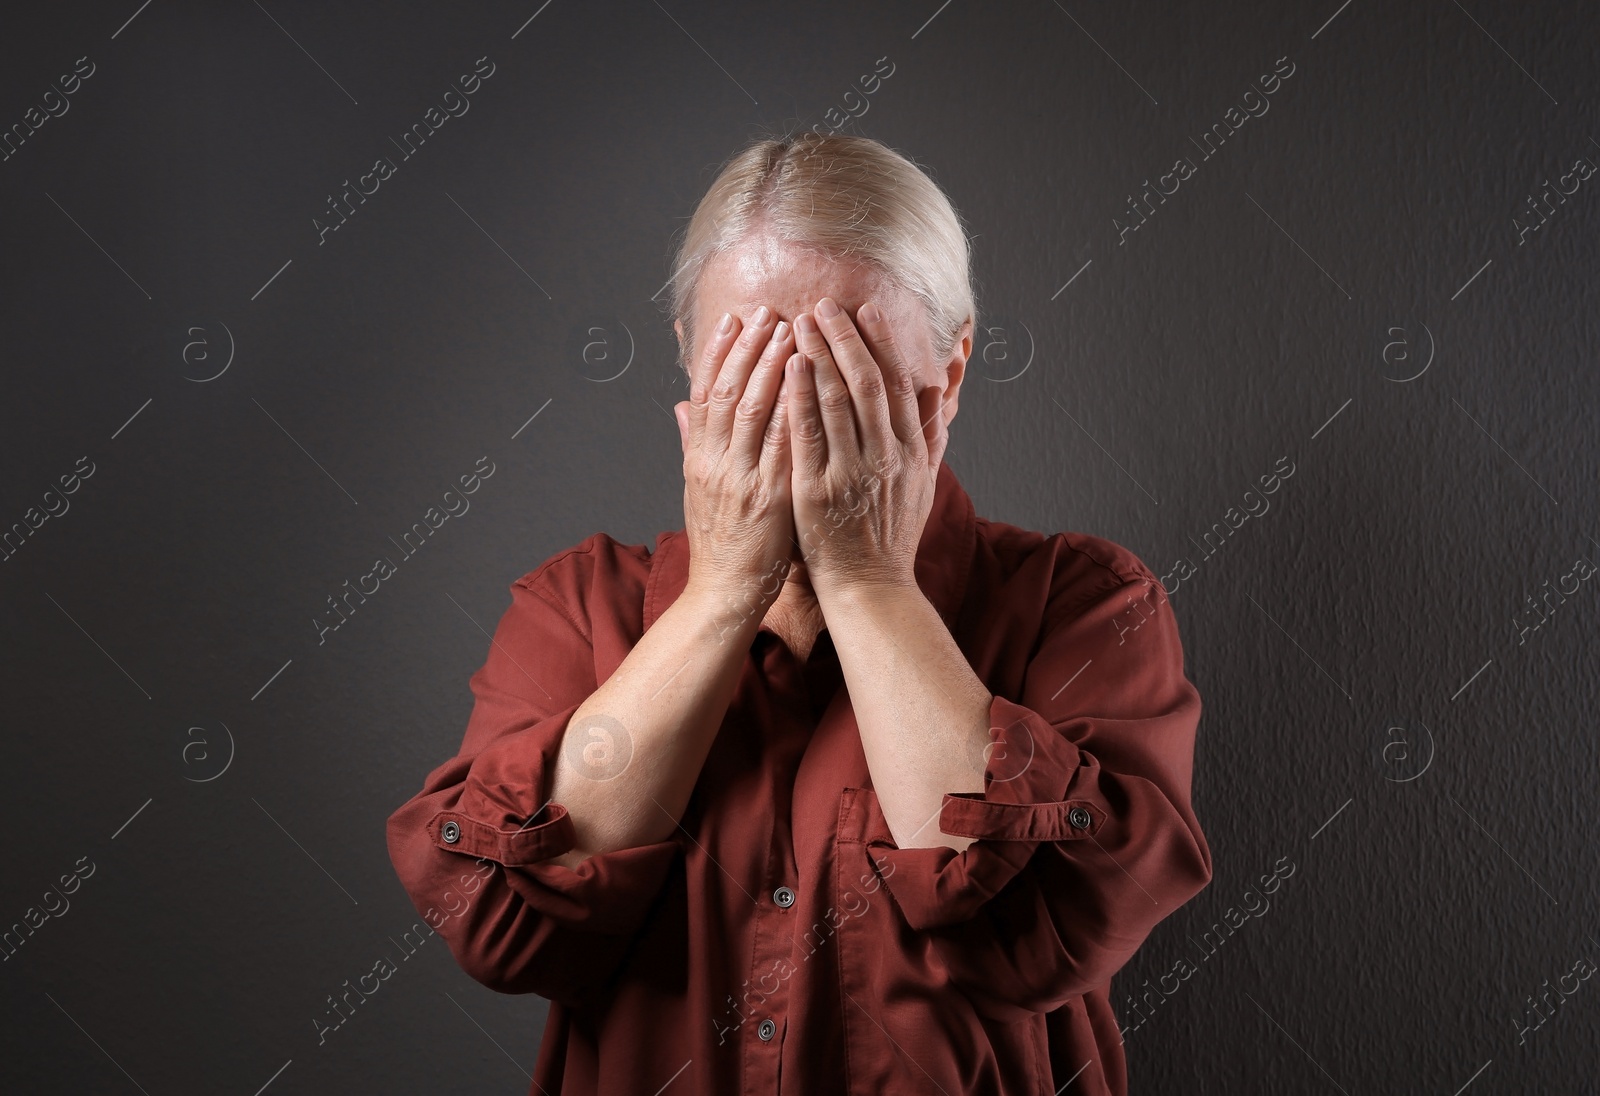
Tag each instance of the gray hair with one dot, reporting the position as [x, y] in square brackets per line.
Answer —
[850, 198]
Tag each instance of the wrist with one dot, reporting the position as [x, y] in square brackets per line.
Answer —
[858, 595]
[728, 608]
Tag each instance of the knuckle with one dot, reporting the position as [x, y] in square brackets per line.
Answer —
[711, 361]
[834, 399]
[872, 386]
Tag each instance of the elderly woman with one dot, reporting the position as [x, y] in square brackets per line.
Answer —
[841, 788]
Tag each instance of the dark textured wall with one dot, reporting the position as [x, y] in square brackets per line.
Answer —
[216, 413]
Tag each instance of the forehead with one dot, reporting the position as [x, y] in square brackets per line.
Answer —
[789, 278]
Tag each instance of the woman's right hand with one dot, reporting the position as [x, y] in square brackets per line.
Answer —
[736, 465]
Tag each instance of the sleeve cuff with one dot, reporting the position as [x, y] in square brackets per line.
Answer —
[503, 811]
[609, 892]
[547, 834]
[1028, 775]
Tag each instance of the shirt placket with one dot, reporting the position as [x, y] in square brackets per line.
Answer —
[773, 966]
[773, 971]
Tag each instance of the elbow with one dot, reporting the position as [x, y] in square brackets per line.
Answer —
[1032, 993]
[483, 962]
[1191, 871]
[535, 956]
[1013, 975]
[500, 941]
[1078, 974]
[495, 936]
[468, 909]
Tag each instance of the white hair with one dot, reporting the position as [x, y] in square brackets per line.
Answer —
[850, 198]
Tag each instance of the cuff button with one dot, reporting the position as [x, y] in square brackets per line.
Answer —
[784, 897]
[450, 832]
[766, 1031]
[1079, 818]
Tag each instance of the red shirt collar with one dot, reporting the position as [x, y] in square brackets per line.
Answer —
[944, 555]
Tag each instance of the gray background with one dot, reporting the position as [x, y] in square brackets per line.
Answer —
[1359, 230]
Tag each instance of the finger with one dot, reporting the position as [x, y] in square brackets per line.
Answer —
[754, 413]
[775, 452]
[862, 375]
[899, 381]
[705, 371]
[729, 387]
[680, 412]
[808, 441]
[832, 395]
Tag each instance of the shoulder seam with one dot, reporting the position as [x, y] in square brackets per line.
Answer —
[586, 545]
[1141, 571]
[1072, 607]
[550, 599]
[1135, 572]
[537, 577]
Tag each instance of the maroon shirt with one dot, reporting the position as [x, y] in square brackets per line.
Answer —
[780, 941]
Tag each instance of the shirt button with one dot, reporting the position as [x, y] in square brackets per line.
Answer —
[450, 832]
[767, 1030]
[1079, 818]
[784, 897]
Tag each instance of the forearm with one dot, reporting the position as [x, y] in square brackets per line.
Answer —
[669, 696]
[922, 712]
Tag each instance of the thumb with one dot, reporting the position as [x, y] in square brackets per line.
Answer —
[680, 412]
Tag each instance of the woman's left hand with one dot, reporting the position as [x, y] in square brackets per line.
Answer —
[865, 447]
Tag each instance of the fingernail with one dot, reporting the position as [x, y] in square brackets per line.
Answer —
[804, 324]
[827, 308]
[869, 313]
[762, 315]
[726, 323]
[781, 332]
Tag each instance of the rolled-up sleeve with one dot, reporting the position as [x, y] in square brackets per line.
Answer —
[1084, 834]
[473, 848]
